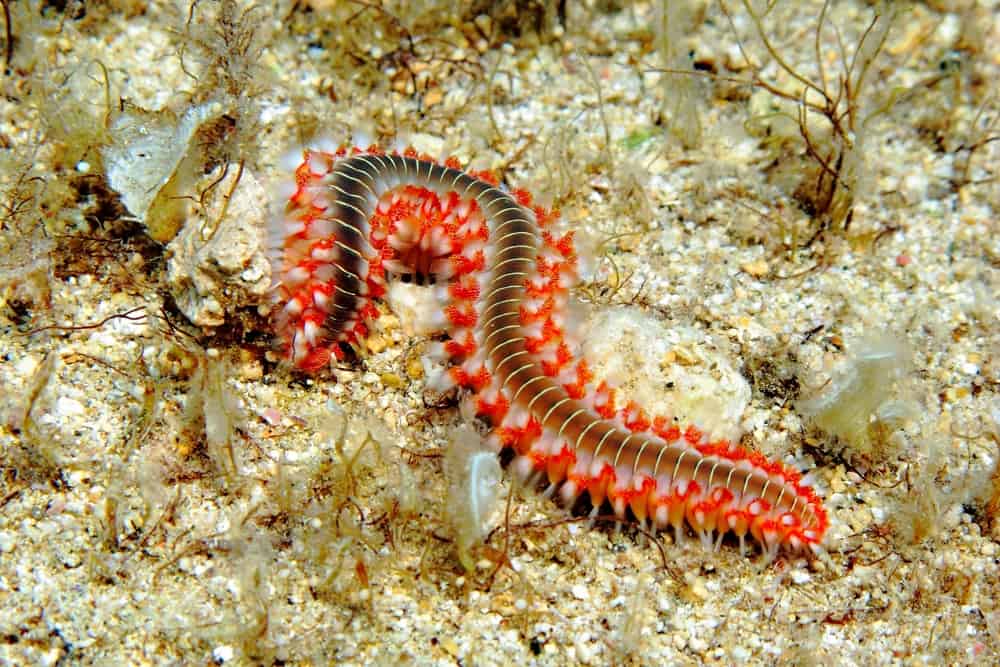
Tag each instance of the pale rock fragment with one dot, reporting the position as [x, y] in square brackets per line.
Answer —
[152, 160]
[218, 262]
[670, 372]
[473, 475]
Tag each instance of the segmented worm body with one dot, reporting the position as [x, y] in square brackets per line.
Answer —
[503, 280]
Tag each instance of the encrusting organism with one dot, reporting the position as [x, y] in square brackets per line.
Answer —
[354, 218]
[473, 486]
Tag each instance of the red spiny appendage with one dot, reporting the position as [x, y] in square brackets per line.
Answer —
[757, 460]
[376, 285]
[429, 212]
[465, 289]
[774, 468]
[310, 315]
[549, 269]
[450, 202]
[508, 436]
[317, 292]
[376, 274]
[604, 478]
[553, 367]
[721, 496]
[465, 265]
[538, 459]
[522, 196]
[379, 224]
[665, 430]
[307, 265]
[520, 439]
[635, 417]
[566, 456]
[563, 354]
[692, 435]
[579, 481]
[604, 401]
[404, 207]
[463, 349]
[718, 448]
[544, 216]
[791, 475]
[461, 317]
[303, 175]
[765, 530]
[543, 312]
[758, 507]
[487, 176]
[495, 410]
[812, 498]
[551, 331]
[536, 291]
[305, 214]
[627, 494]
[386, 252]
[738, 520]
[549, 334]
[648, 486]
[563, 245]
[639, 501]
[534, 344]
[459, 375]
[566, 247]
[704, 514]
[692, 488]
[480, 379]
[578, 388]
[321, 246]
[558, 464]
[298, 199]
[480, 233]
[476, 381]
[368, 312]
[316, 359]
[598, 486]
[452, 162]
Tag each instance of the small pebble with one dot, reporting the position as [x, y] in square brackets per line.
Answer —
[800, 576]
[69, 407]
[221, 654]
